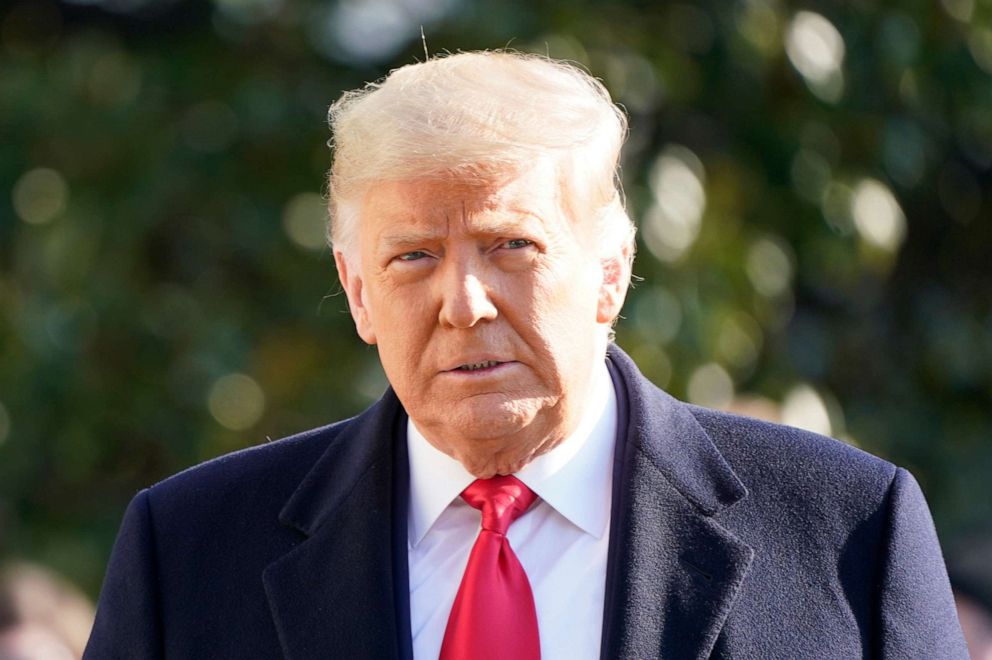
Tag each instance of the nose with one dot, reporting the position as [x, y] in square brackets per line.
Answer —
[465, 299]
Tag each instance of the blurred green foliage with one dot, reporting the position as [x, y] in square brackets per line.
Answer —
[812, 187]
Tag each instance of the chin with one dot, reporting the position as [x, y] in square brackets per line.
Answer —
[499, 439]
[493, 416]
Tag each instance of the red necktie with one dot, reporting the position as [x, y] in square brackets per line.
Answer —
[493, 617]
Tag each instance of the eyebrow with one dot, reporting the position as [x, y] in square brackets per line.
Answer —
[408, 239]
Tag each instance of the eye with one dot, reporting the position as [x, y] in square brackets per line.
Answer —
[516, 244]
[412, 256]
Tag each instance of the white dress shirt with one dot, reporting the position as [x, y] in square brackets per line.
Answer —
[561, 542]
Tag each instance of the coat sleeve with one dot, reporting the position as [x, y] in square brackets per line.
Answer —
[128, 620]
[917, 614]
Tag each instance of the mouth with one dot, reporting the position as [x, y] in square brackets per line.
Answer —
[478, 366]
[484, 366]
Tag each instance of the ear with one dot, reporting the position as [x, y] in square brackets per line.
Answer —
[616, 279]
[351, 280]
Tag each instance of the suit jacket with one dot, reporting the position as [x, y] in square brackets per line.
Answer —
[730, 538]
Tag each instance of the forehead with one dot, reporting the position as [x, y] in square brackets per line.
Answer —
[427, 203]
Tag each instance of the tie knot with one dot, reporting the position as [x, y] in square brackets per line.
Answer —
[502, 499]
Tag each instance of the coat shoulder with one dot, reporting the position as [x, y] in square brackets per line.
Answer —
[263, 475]
[800, 463]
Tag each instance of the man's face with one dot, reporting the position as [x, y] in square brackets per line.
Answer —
[489, 308]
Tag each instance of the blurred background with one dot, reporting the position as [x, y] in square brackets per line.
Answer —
[812, 185]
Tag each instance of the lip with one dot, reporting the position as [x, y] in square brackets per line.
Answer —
[453, 368]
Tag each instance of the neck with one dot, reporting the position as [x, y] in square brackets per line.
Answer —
[508, 453]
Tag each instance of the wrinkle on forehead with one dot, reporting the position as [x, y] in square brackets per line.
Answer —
[420, 210]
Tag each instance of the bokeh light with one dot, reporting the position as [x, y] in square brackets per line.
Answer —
[804, 408]
[672, 223]
[835, 205]
[811, 174]
[373, 30]
[759, 23]
[305, 220]
[739, 341]
[236, 401]
[816, 49]
[40, 195]
[962, 10]
[654, 363]
[769, 266]
[115, 78]
[657, 314]
[710, 385]
[980, 45]
[877, 215]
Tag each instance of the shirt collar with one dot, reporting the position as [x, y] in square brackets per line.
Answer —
[575, 478]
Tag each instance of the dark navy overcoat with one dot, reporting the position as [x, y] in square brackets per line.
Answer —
[730, 538]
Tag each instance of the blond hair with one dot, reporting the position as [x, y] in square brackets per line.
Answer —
[476, 115]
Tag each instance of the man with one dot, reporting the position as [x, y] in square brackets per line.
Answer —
[482, 243]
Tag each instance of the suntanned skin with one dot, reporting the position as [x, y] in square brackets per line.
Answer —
[452, 273]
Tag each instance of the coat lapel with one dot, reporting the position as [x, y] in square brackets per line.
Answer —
[674, 570]
[333, 594]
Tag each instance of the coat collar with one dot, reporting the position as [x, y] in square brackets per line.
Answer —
[336, 594]
[667, 436]
[674, 571]
[673, 575]
[360, 452]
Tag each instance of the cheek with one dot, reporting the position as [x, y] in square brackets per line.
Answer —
[404, 322]
[576, 310]
[563, 315]
[573, 298]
